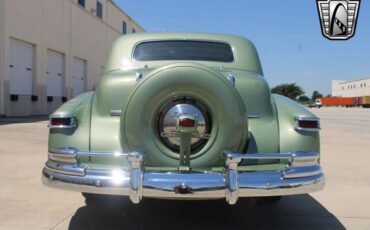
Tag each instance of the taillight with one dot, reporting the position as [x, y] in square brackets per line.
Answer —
[307, 123]
[62, 122]
[186, 122]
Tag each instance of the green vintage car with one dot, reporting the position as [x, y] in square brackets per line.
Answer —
[183, 116]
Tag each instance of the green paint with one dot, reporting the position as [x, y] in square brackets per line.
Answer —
[161, 81]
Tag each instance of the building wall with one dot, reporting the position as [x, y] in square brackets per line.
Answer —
[335, 87]
[2, 55]
[62, 26]
[354, 88]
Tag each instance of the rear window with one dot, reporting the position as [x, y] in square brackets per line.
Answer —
[183, 50]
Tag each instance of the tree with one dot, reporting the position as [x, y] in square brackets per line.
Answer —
[315, 95]
[289, 90]
[304, 99]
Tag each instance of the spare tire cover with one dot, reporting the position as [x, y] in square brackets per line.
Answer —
[229, 129]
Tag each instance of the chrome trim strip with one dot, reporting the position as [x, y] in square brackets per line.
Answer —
[293, 156]
[231, 78]
[68, 169]
[61, 126]
[138, 76]
[307, 118]
[65, 155]
[297, 172]
[253, 115]
[303, 174]
[64, 151]
[115, 112]
[73, 152]
[62, 158]
[297, 119]
[61, 115]
[307, 129]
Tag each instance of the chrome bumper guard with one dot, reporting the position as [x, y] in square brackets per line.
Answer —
[303, 174]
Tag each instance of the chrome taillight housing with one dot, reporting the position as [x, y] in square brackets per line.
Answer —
[307, 123]
[62, 122]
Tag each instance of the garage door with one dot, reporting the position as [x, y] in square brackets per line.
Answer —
[21, 68]
[55, 74]
[79, 75]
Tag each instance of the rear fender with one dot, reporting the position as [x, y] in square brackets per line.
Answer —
[290, 138]
[79, 136]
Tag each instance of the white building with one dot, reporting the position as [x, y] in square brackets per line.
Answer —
[53, 50]
[353, 88]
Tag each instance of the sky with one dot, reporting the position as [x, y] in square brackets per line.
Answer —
[286, 33]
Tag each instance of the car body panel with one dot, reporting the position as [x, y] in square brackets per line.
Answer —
[116, 147]
[271, 123]
[290, 138]
[78, 137]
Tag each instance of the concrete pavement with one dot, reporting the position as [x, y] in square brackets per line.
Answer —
[345, 145]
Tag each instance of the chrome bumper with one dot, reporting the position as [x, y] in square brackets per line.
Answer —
[302, 175]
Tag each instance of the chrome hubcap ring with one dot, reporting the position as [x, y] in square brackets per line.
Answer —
[168, 117]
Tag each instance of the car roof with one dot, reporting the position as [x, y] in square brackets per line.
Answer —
[245, 53]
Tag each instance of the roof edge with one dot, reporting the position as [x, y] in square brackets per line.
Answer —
[124, 12]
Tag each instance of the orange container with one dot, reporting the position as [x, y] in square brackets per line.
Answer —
[346, 101]
[336, 101]
[330, 101]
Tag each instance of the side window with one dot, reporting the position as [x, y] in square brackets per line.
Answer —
[81, 3]
[124, 27]
[99, 10]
